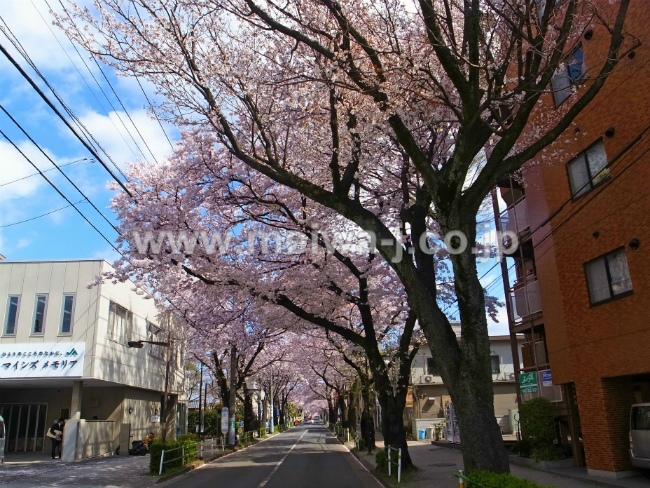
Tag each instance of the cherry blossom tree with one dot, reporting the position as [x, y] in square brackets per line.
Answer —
[376, 111]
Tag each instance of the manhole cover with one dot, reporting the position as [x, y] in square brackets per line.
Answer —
[442, 465]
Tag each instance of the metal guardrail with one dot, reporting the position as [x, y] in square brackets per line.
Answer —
[398, 463]
[187, 451]
[211, 443]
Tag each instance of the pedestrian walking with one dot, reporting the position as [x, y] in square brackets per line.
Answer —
[55, 433]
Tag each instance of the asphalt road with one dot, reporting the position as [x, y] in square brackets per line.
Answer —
[303, 457]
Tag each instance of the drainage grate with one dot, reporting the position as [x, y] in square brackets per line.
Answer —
[442, 465]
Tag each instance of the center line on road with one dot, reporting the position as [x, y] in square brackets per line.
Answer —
[263, 483]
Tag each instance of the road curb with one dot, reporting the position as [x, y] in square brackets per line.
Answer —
[370, 472]
[189, 470]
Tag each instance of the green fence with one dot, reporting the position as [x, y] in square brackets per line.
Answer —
[171, 455]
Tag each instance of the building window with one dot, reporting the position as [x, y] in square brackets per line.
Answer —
[67, 315]
[494, 364]
[608, 276]
[588, 169]
[13, 303]
[431, 367]
[119, 323]
[573, 72]
[153, 334]
[40, 311]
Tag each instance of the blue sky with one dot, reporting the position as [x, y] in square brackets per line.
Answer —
[63, 234]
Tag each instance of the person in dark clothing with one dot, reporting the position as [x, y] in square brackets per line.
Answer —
[56, 434]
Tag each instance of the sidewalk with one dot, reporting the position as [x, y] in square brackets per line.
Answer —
[110, 471]
[436, 466]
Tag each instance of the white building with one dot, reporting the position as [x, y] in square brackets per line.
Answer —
[429, 396]
[64, 353]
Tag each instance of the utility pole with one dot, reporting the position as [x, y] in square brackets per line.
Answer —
[233, 395]
[200, 402]
[271, 428]
[164, 402]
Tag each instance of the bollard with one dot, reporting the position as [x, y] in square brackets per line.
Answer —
[201, 450]
[461, 481]
[399, 464]
[183, 455]
[389, 473]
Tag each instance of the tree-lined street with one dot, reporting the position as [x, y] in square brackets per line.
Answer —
[303, 457]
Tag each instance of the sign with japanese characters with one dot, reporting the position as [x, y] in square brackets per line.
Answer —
[547, 379]
[528, 382]
[44, 360]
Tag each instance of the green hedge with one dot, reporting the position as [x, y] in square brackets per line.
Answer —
[381, 458]
[488, 479]
[537, 417]
[175, 457]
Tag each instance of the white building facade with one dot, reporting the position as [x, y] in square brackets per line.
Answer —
[64, 353]
[429, 396]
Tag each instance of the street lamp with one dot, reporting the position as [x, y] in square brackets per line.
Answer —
[168, 345]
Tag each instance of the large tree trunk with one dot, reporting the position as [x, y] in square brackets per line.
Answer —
[343, 416]
[352, 409]
[392, 423]
[331, 412]
[249, 415]
[465, 367]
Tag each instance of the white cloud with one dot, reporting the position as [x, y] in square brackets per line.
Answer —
[15, 166]
[111, 133]
[502, 327]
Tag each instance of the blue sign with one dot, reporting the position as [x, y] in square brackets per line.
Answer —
[547, 380]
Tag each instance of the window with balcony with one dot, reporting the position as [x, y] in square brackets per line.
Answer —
[608, 277]
[11, 320]
[573, 72]
[119, 323]
[588, 169]
[431, 367]
[40, 311]
[494, 364]
[67, 314]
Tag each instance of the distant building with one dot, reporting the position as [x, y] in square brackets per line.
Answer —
[429, 396]
[64, 353]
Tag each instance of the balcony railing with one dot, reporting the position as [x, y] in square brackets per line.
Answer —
[515, 218]
[525, 299]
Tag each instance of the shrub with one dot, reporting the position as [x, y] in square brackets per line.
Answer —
[362, 444]
[186, 437]
[545, 453]
[173, 459]
[381, 458]
[537, 417]
[488, 479]
[521, 448]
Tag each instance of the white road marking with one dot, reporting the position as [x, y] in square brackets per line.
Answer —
[263, 483]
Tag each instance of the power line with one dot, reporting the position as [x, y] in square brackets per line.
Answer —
[6, 30]
[45, 171]
[84, 79]
[71, 204]
[65, 121]
[109, 84]
[42, 215]
[57, 167]
[57, 189]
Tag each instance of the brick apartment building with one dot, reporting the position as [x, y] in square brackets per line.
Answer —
[579, 287]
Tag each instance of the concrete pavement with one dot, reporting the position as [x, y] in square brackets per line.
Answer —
[303, 457]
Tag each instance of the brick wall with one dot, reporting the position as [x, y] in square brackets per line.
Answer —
[595, 346]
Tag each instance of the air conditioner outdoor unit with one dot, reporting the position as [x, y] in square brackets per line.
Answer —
[428, 379]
